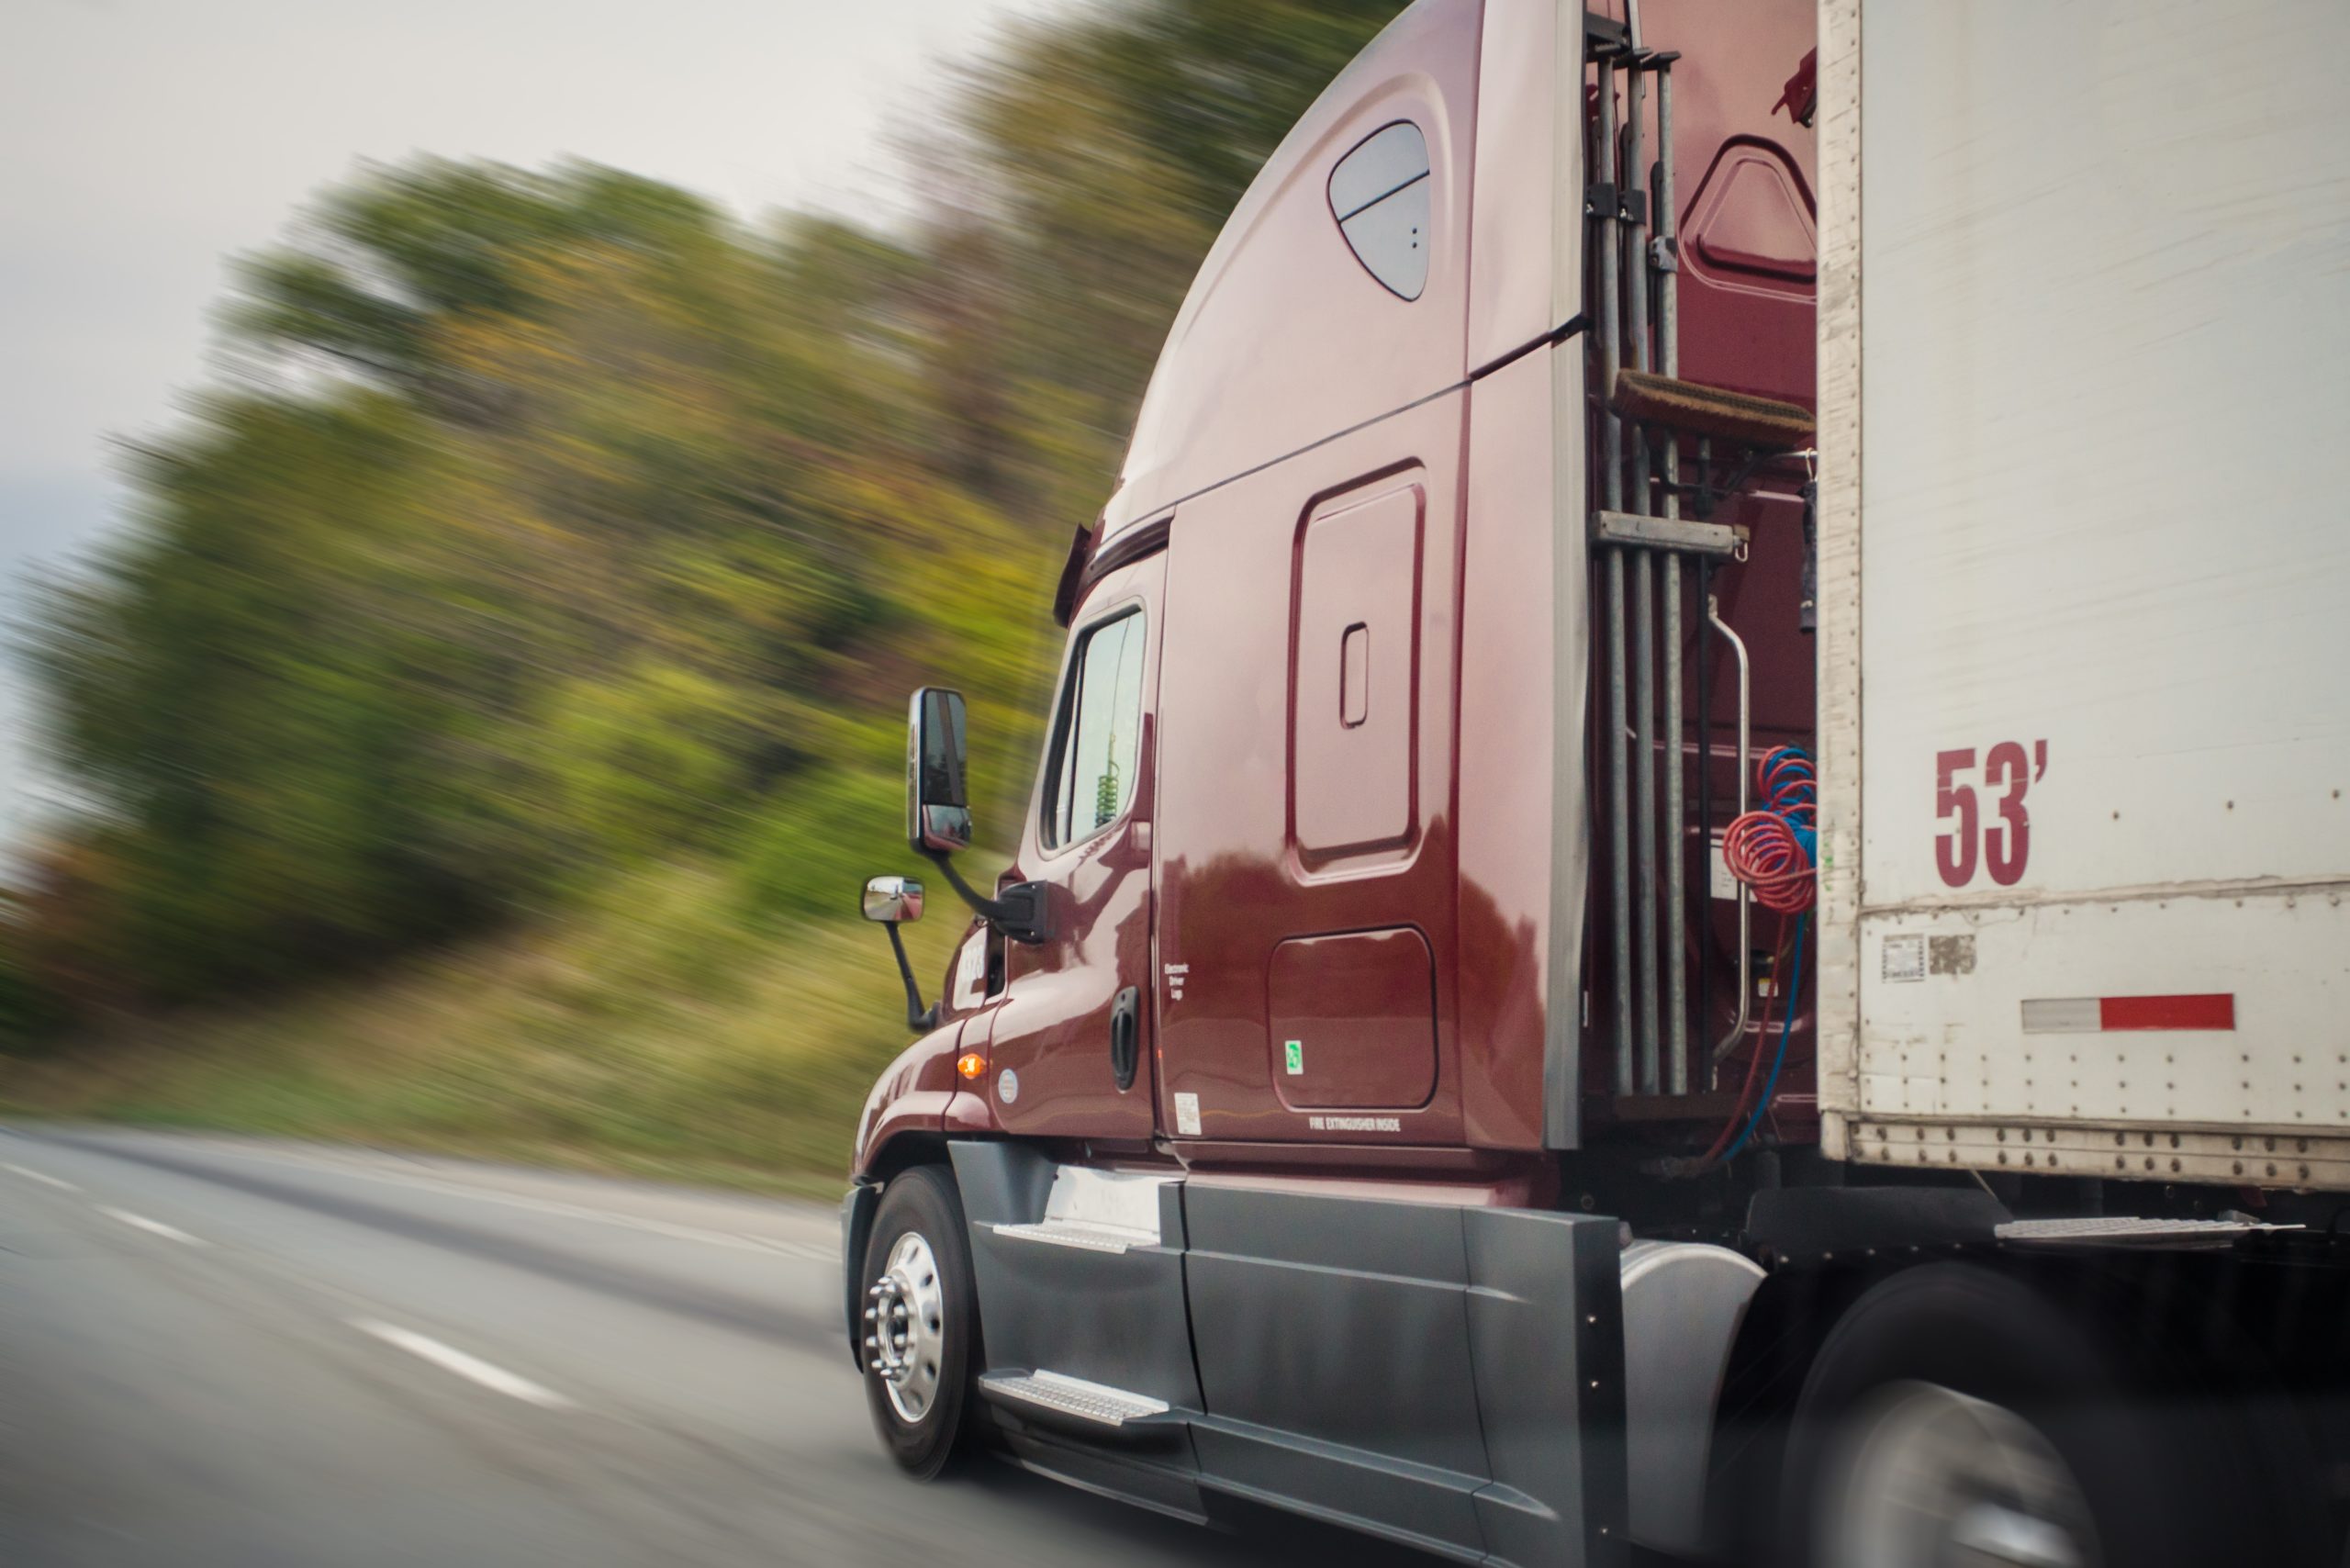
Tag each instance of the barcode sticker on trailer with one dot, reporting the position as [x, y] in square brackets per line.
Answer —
[2112, 1014]
[1905, 957]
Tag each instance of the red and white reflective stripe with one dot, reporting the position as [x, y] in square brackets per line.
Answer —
[2109, 1014]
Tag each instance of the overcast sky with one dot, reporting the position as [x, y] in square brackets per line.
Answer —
[143, 143]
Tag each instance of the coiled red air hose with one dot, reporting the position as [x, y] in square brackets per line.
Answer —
[1772, 850]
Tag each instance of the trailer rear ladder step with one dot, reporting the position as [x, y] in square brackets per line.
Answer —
[2121, 1230]
[1091, 1402]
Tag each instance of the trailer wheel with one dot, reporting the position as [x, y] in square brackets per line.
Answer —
[1955, 1415]
[921, 1321]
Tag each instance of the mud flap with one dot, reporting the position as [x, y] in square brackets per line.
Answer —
[857, 1206]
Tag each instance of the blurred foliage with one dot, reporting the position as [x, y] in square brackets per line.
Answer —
[549, 529]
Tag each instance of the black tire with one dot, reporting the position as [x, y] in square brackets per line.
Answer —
[922, 1203]
[2154, 1482]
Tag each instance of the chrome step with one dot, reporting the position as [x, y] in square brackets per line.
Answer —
[1074, 1396]
[1089, 1238]
[1097, 1211]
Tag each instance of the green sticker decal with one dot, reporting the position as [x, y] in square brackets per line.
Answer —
[1297, 1058]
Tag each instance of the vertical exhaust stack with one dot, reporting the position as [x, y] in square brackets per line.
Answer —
[1621, 339]
[1631, 202]
[1663, 275]
[1603, 207]
[1641, 538]
[1647, 414]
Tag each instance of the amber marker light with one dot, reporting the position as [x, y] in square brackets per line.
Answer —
[971, 1064]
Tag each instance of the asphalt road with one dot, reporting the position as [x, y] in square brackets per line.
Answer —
[218, 1352]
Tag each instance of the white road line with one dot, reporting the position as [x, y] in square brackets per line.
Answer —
[824, 1252]
[472, 1368]
[36, 1176]
[153, 1227]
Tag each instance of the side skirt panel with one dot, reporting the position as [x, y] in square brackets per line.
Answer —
[1450, 1376]
[1111, 1317]
[1164, 1487]
[1447, 1376]
[1546, 1328]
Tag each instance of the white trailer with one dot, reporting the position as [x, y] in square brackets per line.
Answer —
[2084, 321]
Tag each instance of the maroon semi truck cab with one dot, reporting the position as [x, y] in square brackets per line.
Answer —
[1373, 1090]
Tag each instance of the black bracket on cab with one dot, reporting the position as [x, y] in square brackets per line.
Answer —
[1020, 911]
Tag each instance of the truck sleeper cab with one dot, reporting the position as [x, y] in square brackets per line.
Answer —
[1374, 1091]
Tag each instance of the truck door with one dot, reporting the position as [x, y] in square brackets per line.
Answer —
[1306, 853]
[1072, 1047]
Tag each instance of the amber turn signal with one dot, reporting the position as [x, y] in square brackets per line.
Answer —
[971, 1064]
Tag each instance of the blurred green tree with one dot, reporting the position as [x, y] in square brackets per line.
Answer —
[552, 522]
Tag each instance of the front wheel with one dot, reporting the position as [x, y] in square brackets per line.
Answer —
[921, 1321]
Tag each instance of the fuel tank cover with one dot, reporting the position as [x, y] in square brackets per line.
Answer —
[1683, 1302]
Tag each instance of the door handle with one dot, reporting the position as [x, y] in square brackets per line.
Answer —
[1126, 1037]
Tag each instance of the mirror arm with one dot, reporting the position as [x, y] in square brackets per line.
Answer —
[920, 1019]
[1018, 911]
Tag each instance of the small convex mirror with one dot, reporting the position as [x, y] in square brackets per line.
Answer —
[938, 802]
[893, 901]
[1379, 193]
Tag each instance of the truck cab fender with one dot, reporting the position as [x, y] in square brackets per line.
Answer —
[912, 1096]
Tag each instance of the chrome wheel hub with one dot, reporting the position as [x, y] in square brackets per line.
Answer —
[1937, 1479]
[905, 1327]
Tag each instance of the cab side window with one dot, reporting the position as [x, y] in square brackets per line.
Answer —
[1379, 193]
[1097, 734]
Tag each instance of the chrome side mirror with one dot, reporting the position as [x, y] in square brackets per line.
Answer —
[893, 899]
[938, 800]
[938, 817]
